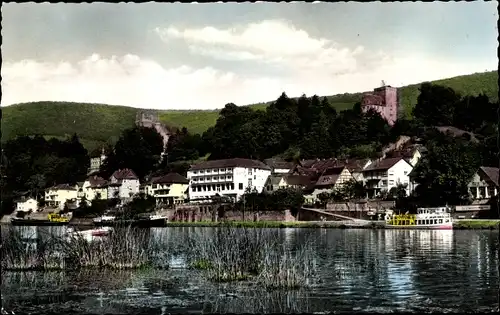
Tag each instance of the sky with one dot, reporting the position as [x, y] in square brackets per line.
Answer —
[203, 56]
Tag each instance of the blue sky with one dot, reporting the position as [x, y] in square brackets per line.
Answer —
[186, 56]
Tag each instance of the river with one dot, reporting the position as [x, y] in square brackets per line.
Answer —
[358, 271]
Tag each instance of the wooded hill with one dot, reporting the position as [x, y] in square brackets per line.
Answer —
[97, 124]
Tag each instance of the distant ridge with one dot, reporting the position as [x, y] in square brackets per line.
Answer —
[99, 123]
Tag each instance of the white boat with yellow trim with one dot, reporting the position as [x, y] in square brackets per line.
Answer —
[426, 218]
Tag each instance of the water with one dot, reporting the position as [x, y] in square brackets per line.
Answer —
[358, 271]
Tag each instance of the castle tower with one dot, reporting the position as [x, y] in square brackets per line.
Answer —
[383, 100]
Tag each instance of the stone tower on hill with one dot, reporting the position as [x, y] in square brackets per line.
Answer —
[383, 100]
[149, 118]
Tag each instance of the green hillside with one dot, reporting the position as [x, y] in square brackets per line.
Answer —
[99, 123]
[473, 84]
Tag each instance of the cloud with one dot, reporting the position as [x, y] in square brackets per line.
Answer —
[275, 42]
[130, 80]
[305, 65]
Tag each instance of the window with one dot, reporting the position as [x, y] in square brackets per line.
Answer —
[202, 171]
[240, 186]
[249, 171]
[440, 221]
[195, 172]
[222, 170]
[405, 172]
[223, 187]
[214, 178]
[232, 186]
[391, 182]
[255, 177]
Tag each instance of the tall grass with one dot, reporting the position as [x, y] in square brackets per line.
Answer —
[123, 249]
[20, 251]
[232, 254]
[281, 267]
[250, 300]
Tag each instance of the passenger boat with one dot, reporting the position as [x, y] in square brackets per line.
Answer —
[426, 218]
[52, 219]
[154, 220]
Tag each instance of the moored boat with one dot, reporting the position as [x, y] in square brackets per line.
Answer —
[52, 219]
[91, 234]
[426, 218]
[154, 220]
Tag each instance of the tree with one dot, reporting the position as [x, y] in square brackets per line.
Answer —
[138, 148]
[398, 192]
[435, 105]
[444, 173]
[324, 197]
[315, 143]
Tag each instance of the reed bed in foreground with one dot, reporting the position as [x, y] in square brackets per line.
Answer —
[21, 251]
[233, 254]
[123, 249]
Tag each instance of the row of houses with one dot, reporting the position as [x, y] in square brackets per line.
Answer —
[233, 177]
[123, 184]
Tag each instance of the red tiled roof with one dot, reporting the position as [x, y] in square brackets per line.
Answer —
[170, 178]
[492, 173]
[236, 162]
[329, 176]
[96, 181]
[320, 166]
[279, 163]
[63, 187]
[298, 180]
[384, 164]
[124, 174]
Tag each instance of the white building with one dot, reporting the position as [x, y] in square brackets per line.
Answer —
[169, 189]
[94, 188]
[230, 177]
[484, 183]
[56, 196]
[123, 184]
[29, 204]
[385, 174]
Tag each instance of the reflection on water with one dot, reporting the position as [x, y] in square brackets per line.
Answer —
[360, 270]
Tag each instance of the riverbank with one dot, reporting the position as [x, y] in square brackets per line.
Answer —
[477, 224]
[273, 224]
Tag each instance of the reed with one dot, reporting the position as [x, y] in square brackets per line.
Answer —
[21, 251]
[233, 254]
[251, 300]
[125, 248]
[284, 268]
[228, 254]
